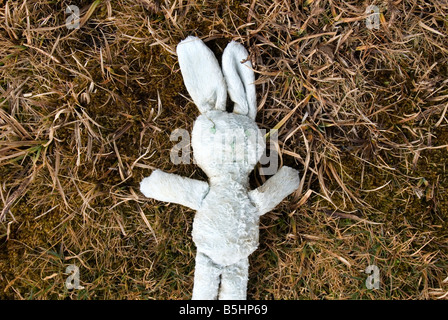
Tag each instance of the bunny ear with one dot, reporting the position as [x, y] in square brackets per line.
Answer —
[240, 79]
[202, 75]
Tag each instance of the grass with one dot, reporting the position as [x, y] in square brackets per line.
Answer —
[85, 114]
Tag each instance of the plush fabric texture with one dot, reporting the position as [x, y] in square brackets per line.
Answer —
[226, 146]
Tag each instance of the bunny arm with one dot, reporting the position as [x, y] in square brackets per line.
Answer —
[173, 188]
[275, 189]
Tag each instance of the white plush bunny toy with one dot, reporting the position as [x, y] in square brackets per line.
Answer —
[226, 146]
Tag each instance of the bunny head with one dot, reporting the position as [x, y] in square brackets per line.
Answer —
[225, 144]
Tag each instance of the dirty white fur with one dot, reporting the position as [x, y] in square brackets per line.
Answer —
[226, 147]
[171, 188]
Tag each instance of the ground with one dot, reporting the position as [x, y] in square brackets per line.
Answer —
[86, 113]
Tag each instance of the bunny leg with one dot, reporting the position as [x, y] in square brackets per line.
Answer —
[234, 281]
[206, 278]
[275, 189]
[170, 187]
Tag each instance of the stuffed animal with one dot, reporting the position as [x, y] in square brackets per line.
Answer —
[226, 146]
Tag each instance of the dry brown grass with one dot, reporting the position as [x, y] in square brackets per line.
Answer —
[86, 114]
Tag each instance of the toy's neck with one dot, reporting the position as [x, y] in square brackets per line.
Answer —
[228, 179]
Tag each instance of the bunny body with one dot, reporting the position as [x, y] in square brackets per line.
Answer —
[225, 227]
[226, 146]
[227, 232]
